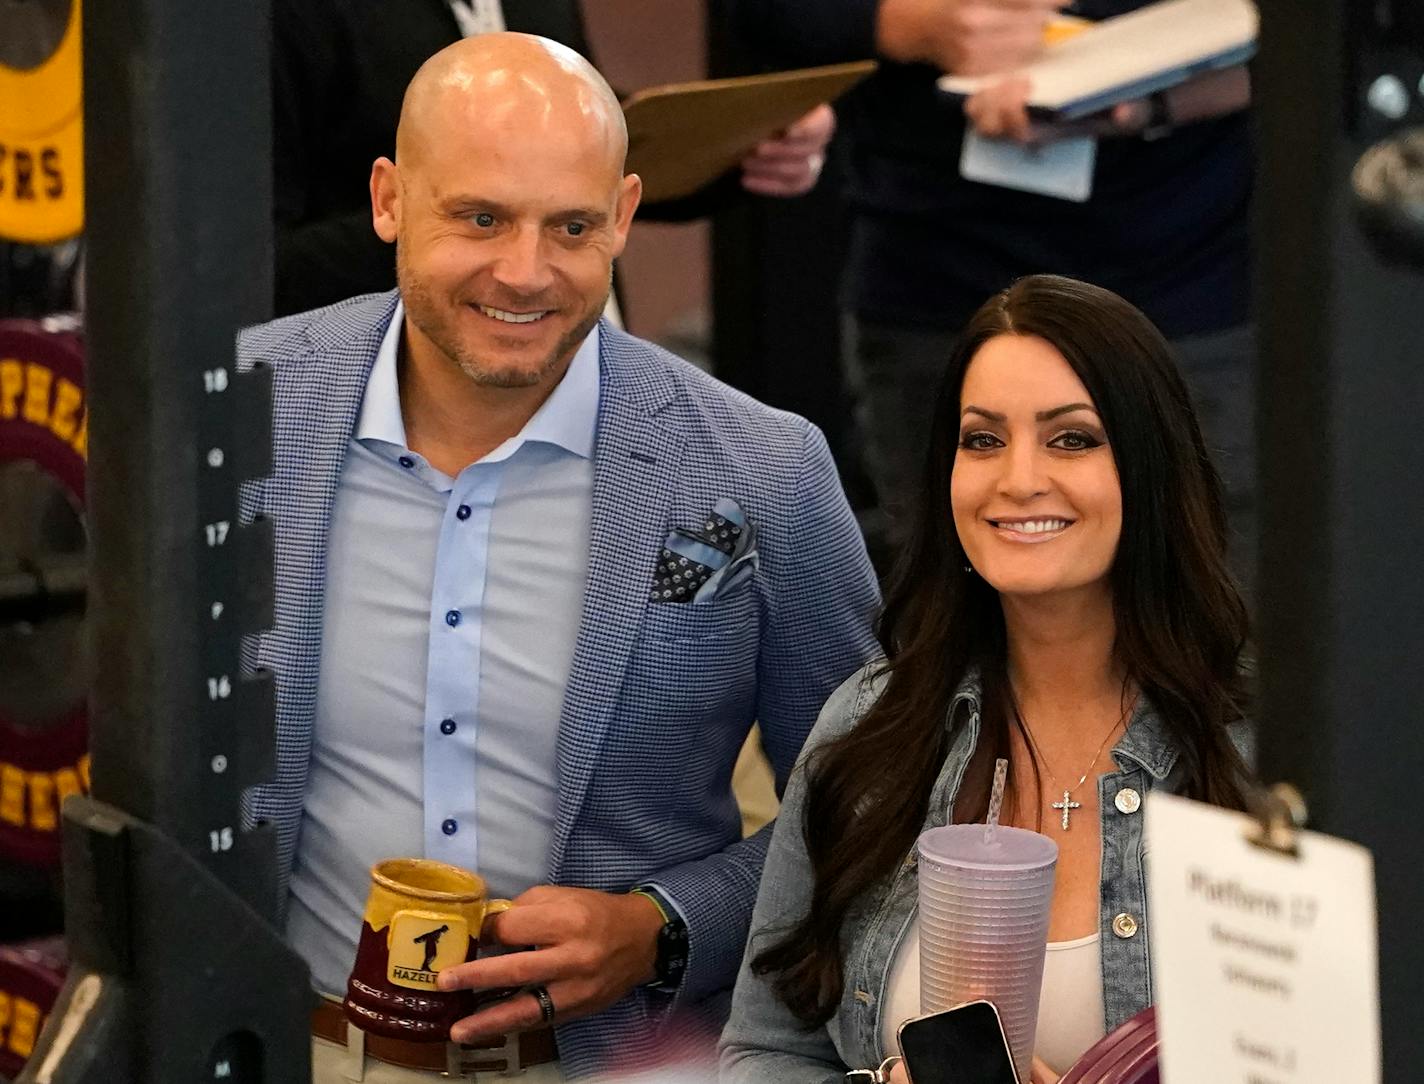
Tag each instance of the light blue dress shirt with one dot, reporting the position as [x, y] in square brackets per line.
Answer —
[451, 612]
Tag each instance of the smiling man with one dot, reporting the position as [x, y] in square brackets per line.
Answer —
[507, 206]
[535, 581]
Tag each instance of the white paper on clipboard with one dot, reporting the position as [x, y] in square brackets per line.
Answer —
[1131, 56]
[1265, 966]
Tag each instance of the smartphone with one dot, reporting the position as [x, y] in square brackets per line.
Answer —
[962, 1045]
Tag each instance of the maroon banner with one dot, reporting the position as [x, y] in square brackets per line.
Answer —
[43, 672]
[31, 974]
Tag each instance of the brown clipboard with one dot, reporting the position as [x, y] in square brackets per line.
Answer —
[684, 135]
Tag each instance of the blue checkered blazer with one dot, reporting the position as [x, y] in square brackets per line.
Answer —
[660, 696]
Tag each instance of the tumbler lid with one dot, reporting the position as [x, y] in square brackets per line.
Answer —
[1012, 849]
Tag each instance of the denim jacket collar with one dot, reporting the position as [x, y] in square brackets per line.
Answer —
[1146, 742]
[876, 926]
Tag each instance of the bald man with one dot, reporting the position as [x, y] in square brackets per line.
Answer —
[535, 581]
[339, 69]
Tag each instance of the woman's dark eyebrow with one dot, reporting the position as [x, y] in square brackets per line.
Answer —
[1049, 415]
[1042, 415]
[993, 416]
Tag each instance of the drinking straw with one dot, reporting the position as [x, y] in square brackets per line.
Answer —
[996, 798]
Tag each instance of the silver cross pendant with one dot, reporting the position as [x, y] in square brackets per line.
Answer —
[1067, 805]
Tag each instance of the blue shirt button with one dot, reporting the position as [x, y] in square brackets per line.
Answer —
[406, 461]
[463, 512]
[449, 827]
[447, 726]
[452, 618]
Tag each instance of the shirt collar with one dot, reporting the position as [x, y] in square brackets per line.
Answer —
[566, 418]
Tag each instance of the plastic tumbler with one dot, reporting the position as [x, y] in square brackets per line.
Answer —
[984, 909]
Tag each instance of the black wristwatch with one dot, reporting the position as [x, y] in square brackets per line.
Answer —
[672, 942]
[1159, 117]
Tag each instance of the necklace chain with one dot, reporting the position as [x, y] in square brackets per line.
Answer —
[1067, 805]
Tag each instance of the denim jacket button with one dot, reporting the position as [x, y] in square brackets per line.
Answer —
[1128, 800]
[1125, 926]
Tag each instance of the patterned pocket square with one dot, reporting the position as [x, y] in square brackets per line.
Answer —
[697, 564]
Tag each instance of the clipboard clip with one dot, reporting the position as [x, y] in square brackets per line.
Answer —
[1279, 814]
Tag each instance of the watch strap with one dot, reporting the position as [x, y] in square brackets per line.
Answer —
[1159, 116]
[671, 960]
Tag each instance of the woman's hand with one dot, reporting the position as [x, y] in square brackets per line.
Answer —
[1041, 1074]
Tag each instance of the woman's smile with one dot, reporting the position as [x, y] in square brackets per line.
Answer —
[1018, 529]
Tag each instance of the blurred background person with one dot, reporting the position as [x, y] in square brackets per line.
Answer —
[339, 70]
[1166, 225]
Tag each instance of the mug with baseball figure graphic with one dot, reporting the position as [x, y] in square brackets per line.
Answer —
[421, 916]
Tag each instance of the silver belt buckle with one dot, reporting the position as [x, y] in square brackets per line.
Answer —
[461, 1061]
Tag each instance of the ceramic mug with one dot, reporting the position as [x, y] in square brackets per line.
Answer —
[421, 916]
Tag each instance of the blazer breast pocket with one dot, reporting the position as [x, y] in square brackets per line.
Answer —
[724, 617]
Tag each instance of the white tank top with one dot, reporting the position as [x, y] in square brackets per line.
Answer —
[1070, 1011]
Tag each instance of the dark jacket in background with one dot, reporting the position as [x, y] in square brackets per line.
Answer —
[339, 72]
[1166, 226]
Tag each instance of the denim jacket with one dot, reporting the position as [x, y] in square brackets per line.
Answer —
[765, 1044]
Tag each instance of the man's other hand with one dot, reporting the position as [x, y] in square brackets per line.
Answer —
[790, 164]
[965, 37]
[1000, 110]
[586, 948]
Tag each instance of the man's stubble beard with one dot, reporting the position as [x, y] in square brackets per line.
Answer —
[426, 316]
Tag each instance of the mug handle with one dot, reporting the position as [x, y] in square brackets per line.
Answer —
[492, 908]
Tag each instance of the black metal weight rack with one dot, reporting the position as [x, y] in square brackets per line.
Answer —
[179, 973]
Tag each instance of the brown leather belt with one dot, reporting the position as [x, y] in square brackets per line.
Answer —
[534, 1047]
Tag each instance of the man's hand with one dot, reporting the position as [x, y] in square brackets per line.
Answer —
[790, 164]
[1000, 111]
[589, 949]
[965, 37]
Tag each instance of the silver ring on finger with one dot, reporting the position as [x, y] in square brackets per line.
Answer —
[546, 1003]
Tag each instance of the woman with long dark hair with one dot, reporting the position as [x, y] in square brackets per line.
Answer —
[1064, 602]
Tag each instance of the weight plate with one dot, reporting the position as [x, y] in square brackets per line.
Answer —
[41, 123]
[44, 673]
[31, 975]
[33, 30]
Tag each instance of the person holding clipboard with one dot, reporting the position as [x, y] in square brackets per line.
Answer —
[1165, 221]
[339, 70]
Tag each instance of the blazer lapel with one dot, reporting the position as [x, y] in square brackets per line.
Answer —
[635, 471]
[317, 400]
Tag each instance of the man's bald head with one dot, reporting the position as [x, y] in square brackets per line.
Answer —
[518, 81]
[507, 204]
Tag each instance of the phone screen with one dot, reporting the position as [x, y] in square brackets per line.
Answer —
[963, 1045]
